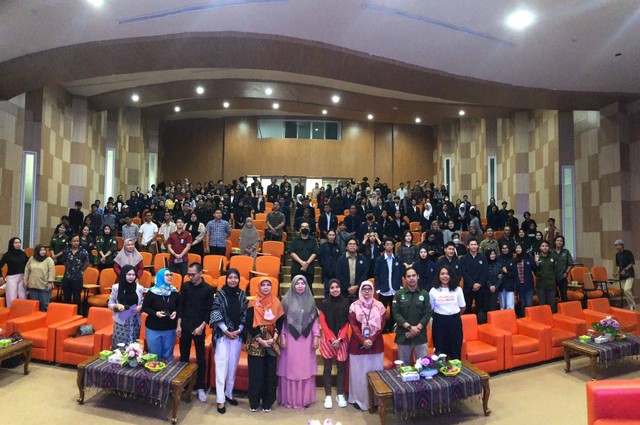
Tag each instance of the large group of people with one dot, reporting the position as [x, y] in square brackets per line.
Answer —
[378, 277]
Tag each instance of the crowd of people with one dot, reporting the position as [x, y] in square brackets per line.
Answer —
[377, 276]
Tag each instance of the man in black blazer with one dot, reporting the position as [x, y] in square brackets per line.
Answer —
[350, 283]
[388, 264]
[327, 221]
[394, 206]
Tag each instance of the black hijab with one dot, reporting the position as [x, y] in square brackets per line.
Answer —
[11, 250]
[234, 308]
[36, 253]
[127, 294]
[107, 238]
[335, 310]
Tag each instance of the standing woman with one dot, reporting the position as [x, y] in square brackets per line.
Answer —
[507, 291]
[425, 268]
[447, 302]
[521, 268]
[125, 294]
[59, 241]
[76, 262]
[197, 230]
[228, 317]
[16, 260]
[297, 365]
[87, 241]
[38, 276]
[130, 256]
[334, 322]
[161, 305]
[265, 316]
[249, 239]
[367, 318]
[107, 246]
[371, 248]
[407, 250]
[494, 280]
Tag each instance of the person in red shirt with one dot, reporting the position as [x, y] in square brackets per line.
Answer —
[179, 244]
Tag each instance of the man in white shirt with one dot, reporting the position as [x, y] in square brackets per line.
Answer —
[166, 229]
[147, 235]
[402, 193]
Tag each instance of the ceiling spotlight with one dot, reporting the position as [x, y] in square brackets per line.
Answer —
[135, 97]
[177, 109]
[268, 91]
[370, 116]
[461, 112]
[200, 90]
[225, 104]
[418, 120]
[520, 19]
[324, 112]
[96, 3]
[276, 105]
[335, 98]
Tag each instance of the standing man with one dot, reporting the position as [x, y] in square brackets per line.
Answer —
[273, 191]
[329, 252]
[148, 234]
[624, 264]
[564, 263]
[387, 273]
[129, 230]
[304, 250]
[178, 245]
[411, 310]
[166, 229]
[450, 259]
[476, 270]
[96, 220]
[327, 221]
[275, 224]
[76, 217]
[351, 270]
[196, 298]
[490, 242]
[546, 277]
[217, 232]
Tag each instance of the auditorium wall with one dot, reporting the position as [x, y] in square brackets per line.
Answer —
[11, 149]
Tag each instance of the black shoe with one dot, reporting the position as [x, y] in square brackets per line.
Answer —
[222, 410]
[232, 401]
[357, 406]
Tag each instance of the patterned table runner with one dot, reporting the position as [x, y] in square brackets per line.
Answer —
[614, 350]
[430, 394]
[136, 381]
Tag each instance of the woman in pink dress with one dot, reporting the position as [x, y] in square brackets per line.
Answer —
[300, 338]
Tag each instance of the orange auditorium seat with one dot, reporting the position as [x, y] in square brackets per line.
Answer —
[628, 319]
[19, 308]
[40, 328]
[107, 280]
[482, 345]
[561, 328]
[275, 248]
[600, 278]
[244, 264]
[267, 265]
[524, 339]
[70, 350]
[214, 265]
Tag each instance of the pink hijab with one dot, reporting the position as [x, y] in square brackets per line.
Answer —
[370, 309]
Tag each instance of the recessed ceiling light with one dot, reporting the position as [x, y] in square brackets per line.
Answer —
[276, 105]
[96, 3]
[177, 109]
[268, 91]
[370, 116]
[225, 104]
[324, 112]
[418, 120]
[135, 97]
[200, 90]
[461, 112]
[618, 54]
[335, 98]
[520, 19]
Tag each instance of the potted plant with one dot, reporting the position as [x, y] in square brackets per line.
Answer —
[428, 366]
[608, 326]
[132, 354]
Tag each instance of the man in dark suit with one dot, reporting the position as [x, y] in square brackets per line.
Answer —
[327, 221]
[388, 271]
[394, 206]
[350, 282]
[353, 221]
[273, 191]
[398, 226]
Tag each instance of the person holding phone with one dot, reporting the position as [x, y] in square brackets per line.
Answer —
[126, 302]
[161, 305]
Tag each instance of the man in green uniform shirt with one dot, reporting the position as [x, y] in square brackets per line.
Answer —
[411, 311]
[546, 277]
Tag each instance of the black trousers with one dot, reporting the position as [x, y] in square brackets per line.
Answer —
[342, 366]
[72, 288]
[179, 268]
[563, 285]
[386, 302]
[447, 335]
[263, 381]
[218, 250]
[477, 296]
[268, 236]
[201, 360]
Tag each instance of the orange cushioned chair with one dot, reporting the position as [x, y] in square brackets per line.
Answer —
[628, 319]
[267, 265]
[160, 261]
[561, 328]
[244, 264]
[275, 248]
[482, 345]
[600, 278]
[70, 350]
[107, 280]
[214, 265]
[41, 329]
[524, 339]
[19, 308]
[574, 309]
[613, 402]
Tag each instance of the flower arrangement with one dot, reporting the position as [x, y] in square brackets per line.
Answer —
[431, 362]
[132, 354]
[608, 325]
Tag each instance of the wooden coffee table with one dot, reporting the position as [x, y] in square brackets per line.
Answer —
[380, 392]
[21, 348]
[575, 348]
[185, 379]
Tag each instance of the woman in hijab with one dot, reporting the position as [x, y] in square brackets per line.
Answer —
[521, 269]
[425, 269]
[334, 322]
[506, 294]
[16, 260]
[366, 347]
[249, 239]
[126, 302]
[39, 274]
[494, 280]
[299, 341]
[197, 230]
[427, 217]
[128, 256]
[161, 304]
[107, 246]
[228, 318]
[265, 317]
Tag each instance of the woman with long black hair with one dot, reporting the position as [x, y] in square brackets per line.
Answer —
[447, 304]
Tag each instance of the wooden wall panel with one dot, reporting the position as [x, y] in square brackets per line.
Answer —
[383, 152]
[412, 153]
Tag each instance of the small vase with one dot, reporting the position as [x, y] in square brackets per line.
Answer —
[610, 336]
[133, 363]
[428, 373]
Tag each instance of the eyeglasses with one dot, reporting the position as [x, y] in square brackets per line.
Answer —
[367, 288]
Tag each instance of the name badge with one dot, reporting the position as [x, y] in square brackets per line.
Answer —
[421, 297]
[480, 262]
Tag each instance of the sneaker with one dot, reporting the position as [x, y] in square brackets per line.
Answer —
[328, 404]
[253, 409]
[202, 396]
[266, 409]
[342, 402]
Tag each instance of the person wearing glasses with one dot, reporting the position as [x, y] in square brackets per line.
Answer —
[196, 298]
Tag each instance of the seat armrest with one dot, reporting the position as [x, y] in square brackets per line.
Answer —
[533, 329]
[29, 322]
[491, 335]
[4, 315]
[624, 315]
[573, 325]
[65, 331]
[102, 339]
[63, 322]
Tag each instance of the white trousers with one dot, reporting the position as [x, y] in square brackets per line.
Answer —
[627, 287]
[507, 300]
[15, 288]
[226, 357]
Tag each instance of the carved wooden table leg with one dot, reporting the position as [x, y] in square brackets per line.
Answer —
[177, 393]
[594, 368]
[381, 408]
[486, 392]
[80, 382]
[567, 360]
[27, 360]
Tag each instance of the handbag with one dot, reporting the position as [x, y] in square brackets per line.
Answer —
[84, 330]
